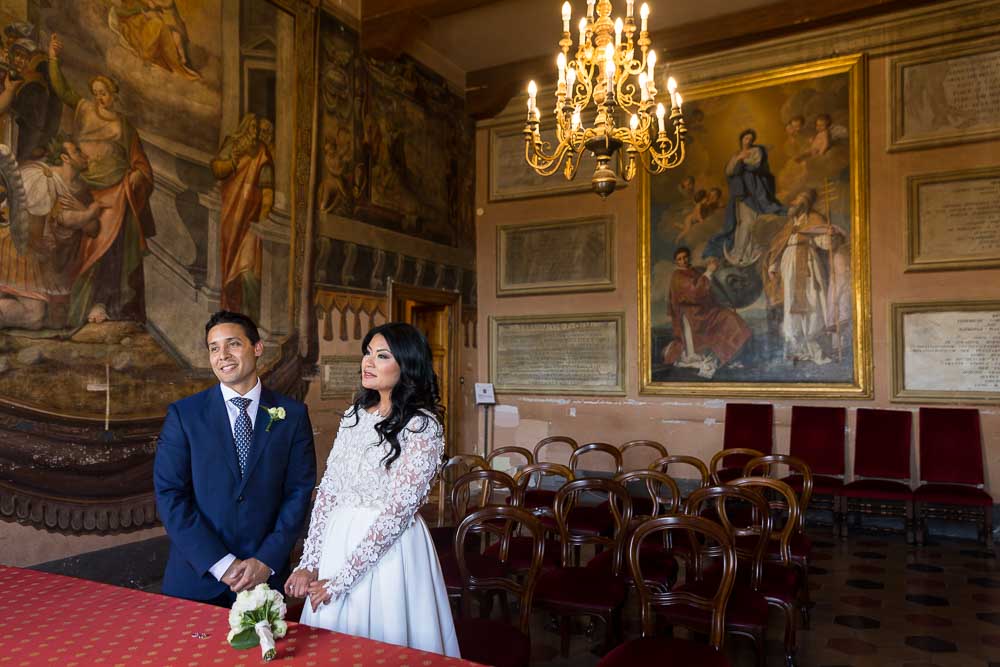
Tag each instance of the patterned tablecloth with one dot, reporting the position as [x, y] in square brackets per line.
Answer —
[67, 622]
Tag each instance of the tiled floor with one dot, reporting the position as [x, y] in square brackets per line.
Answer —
[877, 601]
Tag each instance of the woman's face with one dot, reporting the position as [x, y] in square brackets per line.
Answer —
[379, 369]
[102, 95]
[746, 140]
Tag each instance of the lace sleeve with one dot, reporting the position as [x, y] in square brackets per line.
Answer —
[325, 502]
[410, 478]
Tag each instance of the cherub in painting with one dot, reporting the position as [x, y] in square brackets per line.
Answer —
[154, 31]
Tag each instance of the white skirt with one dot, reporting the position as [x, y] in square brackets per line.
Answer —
[402, 600]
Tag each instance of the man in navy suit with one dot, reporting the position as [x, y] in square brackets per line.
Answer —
[234, 473]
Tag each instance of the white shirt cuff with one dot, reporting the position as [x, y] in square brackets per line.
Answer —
[220, 567]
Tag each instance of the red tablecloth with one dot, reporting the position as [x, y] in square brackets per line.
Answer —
[67, 622]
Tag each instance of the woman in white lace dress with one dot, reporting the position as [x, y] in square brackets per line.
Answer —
[369, 566]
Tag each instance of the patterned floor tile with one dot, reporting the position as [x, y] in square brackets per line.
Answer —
[984, 582]
[931, 644]
[865, 584]
[989, 617]
[928, 600]
[923, 567]
[870, 555]
[850, 646]
[928, 621]
[862, 601]
[858, 622]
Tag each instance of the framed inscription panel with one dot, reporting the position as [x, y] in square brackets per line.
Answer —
[558, 354]
[339, 376]
[946, 351]
[953, 220]
[949, 95]
[563, 256]
[753, 253]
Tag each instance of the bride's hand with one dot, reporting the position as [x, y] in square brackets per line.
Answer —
[318, 595]
[297, 585]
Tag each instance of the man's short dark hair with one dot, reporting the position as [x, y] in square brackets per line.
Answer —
[229, 317]
[682, 249]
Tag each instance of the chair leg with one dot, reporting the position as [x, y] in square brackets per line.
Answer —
[564, 636]
[910, 538]
[988, 526]
[790, 634]
[845, 518]
[761, 648]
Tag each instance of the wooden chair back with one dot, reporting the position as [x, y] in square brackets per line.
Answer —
[742, 456]
[663, 465]
[619, 505]
[764, 465]
[718, 501]
[603, 447]
[658, 451]
[510, 451]
[784, 506]
[702, 533]
[490, 481]
[503, 522]
[447, 475]
[552, 442]
[660, 486]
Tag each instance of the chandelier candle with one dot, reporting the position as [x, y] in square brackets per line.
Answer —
[611, 71]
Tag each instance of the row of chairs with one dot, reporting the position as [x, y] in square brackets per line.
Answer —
[556, 580]
[951, 468]
[951, 477]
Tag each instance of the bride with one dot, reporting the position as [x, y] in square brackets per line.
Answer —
[369, 566]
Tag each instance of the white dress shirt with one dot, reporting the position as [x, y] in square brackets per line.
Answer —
[220, 567]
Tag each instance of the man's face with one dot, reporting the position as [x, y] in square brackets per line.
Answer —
[19, 58]
[232, 355]
[74, 157]
[683, 260]
[799, 205]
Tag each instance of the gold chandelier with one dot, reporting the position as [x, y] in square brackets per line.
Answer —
[608, 71]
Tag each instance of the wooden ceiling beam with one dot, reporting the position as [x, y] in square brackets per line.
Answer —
[490, 89]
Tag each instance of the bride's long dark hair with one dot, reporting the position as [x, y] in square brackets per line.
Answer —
[416, 391]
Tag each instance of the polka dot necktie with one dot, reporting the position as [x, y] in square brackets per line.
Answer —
[243, 431]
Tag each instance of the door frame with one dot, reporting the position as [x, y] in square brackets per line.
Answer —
[396, 294]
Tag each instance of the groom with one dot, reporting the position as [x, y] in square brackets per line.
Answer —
[234, 474]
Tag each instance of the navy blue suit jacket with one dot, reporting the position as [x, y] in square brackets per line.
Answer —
[210, 510]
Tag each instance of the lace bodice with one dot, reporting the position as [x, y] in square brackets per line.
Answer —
[356, 477]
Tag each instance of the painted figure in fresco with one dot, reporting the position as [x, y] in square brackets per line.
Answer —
[110, 283]
[751, 194]
[807, 266]
[246, 169]
[35, 278]
[28, 97]
[155, 32]
[333, 188]
[706, 336]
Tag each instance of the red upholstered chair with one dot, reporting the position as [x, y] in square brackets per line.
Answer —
[490, 642]
[746, 517]
[818, 438]
[653, 648]
[881, 483]
[443, 531]
[951, 470]
[569, 591]
[747, 426]
[633, 447]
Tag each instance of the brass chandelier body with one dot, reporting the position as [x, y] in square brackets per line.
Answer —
[614, 70]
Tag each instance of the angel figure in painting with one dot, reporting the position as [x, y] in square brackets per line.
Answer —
[246, 169]
[155, 32]
[110, 281]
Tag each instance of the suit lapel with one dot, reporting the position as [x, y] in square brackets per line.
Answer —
[261, 436]
[217, 419]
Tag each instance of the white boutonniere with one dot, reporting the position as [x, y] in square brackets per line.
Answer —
[276, 415]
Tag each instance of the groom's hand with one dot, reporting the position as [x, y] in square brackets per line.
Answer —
[233, 573]
[254, 572]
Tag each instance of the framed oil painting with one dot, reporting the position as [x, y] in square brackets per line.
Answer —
[753, 254]
[946, 352]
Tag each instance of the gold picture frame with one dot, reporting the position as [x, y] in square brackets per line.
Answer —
[954, 213]
[559, 351]
[575, 246]
[932, 348]
[772, 371]
[933, 104]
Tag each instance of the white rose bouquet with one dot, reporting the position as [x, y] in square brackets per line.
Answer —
[257, 619]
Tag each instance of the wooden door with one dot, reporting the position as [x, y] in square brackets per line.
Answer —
[436, 313]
